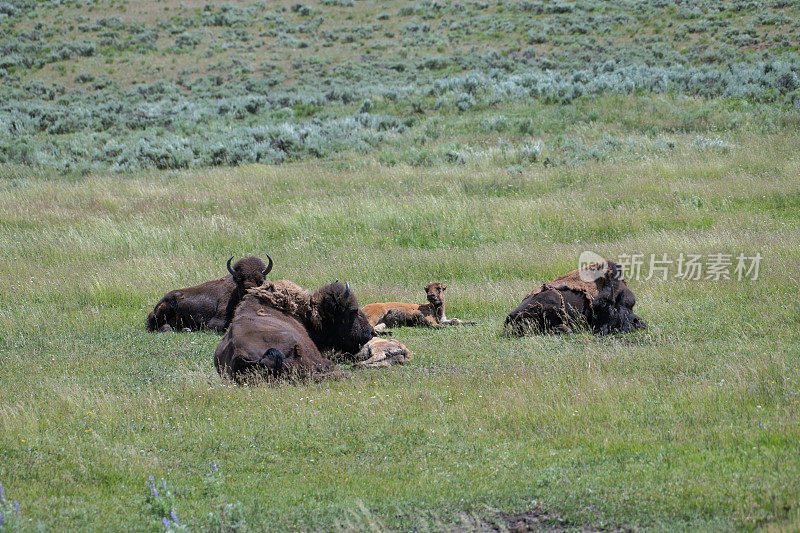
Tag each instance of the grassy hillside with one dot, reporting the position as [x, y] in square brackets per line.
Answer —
[389, 144]
[130, 85]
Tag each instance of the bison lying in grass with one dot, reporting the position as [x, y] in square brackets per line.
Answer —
[382, 352]
[595, 296]
[209, 305]
[393, 314]
[281, 330]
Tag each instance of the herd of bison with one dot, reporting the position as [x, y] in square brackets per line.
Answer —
[277, 329]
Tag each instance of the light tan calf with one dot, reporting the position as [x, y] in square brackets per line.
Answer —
[391, 314]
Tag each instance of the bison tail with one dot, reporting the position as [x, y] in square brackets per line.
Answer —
[276, 358]
[151, 322]
[161, 314]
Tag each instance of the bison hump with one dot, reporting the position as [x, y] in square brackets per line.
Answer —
[574, 282]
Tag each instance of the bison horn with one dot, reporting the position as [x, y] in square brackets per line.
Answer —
[346, 290]
[229, 267]
[269, 267]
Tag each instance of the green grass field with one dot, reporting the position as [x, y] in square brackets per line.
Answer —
[390, 144]
[691, 424]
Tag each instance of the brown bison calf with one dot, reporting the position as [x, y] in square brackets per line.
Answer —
[601, 300]
[393, 314]
[280, 330]
[209, 305]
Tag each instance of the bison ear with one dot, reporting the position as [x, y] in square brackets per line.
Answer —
[444, 286]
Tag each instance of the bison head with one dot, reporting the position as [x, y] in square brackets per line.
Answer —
[613, 307]
[435, 293]
[339, 323]
[249, 272]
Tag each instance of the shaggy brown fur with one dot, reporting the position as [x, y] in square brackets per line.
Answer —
[604, 304]
[209, 305]
[286, 296]
[392, 314]
[281, 329]
[572, 281]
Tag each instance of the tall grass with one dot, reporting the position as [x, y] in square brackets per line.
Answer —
[690, 424]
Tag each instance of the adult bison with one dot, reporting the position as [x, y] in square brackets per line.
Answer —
[209, 305]
[595, 295]
[281, 329]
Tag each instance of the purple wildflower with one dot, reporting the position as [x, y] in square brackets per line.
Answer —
[155, 493]
[16, 507]
[1, 519]
[164, 483]
[165, 522]
[214, 466]
[2, 494]
[150, 477]
[174, 516]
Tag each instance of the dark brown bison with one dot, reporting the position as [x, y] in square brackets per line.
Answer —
[281, 329]
[595, 296]
[209, 305]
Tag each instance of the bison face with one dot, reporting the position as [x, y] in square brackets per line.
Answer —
[249, 272]
[617, 317]
[617, 320]
[341, 325]
[435, 293]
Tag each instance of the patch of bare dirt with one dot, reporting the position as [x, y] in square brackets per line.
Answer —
[533, 520]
